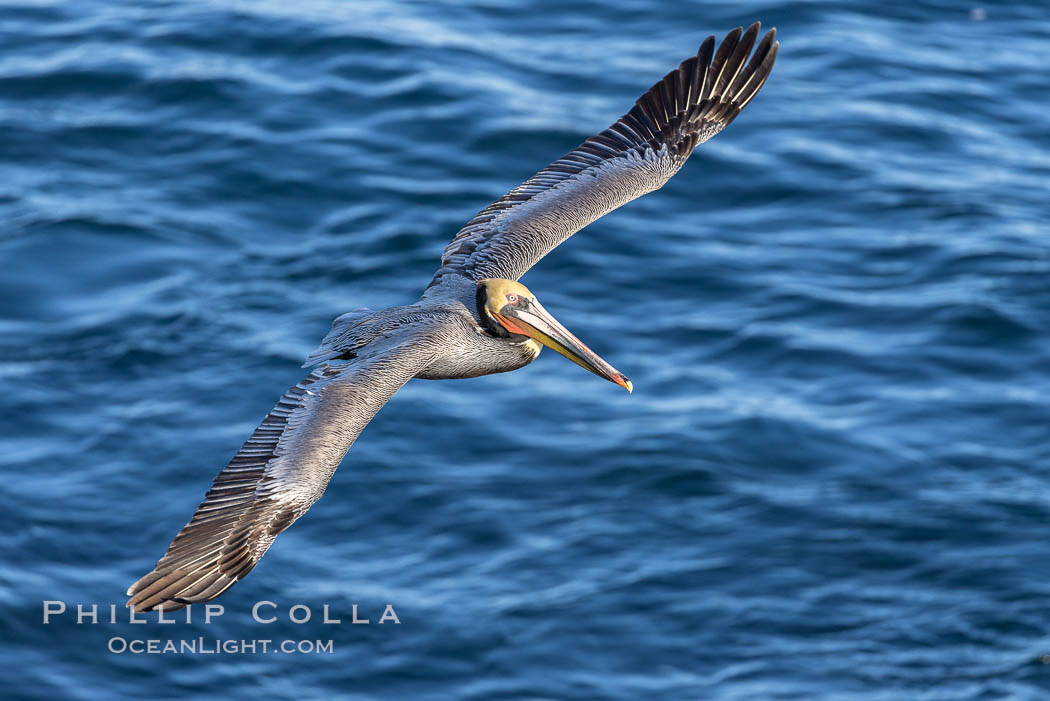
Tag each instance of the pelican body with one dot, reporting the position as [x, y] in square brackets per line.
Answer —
[473, 319]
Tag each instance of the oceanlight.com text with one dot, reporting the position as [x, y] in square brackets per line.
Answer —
[216, 646]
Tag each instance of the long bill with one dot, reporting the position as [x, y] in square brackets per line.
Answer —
[531, 319]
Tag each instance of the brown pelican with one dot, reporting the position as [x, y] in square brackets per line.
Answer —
[473, 319]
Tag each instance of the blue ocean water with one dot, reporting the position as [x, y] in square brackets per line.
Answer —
[831, 482]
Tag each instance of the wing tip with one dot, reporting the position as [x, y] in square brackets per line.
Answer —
[709, 90]
[176, 589]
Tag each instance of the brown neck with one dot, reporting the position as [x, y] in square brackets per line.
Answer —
[487, 321]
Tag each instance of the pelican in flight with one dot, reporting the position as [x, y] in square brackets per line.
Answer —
[473, 319]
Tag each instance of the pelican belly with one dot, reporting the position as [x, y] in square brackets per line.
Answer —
[482, 355]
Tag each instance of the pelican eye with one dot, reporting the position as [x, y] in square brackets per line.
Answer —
[512, 298]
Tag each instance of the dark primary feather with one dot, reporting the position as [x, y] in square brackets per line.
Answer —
[278, 473]
[636, 155]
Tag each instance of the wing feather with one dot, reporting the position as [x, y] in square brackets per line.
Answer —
[635, 155]
[279, 472]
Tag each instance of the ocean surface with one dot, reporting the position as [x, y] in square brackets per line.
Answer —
[832, 480]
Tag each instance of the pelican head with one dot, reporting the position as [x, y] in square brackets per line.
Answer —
[509, 310]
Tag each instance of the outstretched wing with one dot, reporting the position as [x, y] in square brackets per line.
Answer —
[277, 474]
[636, 155]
